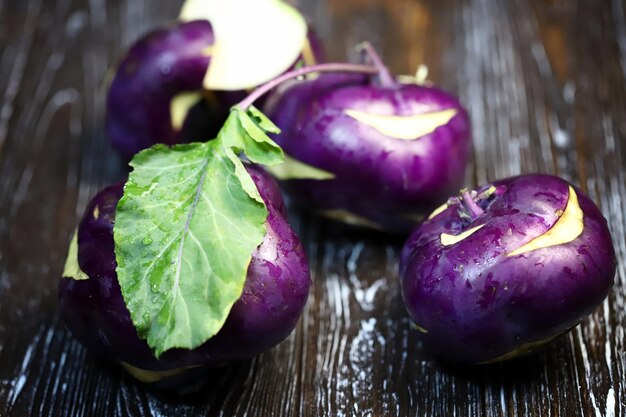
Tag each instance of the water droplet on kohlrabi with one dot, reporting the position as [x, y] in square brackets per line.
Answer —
[146, 317]
[147, 240]
[155, 299]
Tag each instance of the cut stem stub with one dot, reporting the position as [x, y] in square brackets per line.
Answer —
[386, 80]
[471, 205]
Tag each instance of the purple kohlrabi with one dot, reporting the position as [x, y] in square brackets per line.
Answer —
[376, 154]
[498, 272]
[274, 294]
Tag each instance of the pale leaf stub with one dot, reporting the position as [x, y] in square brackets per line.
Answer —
[293, 169]
[350, 218]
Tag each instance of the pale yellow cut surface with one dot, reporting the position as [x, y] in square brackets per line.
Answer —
[447, 240]
[419, 328]
[255, 40]
[404, 127]
[522, 350]
[180, 106]
[153, 376]
[72, 268]
[567, 228]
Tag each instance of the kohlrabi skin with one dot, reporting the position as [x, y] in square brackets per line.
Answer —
[369, 150]
[500, 271]
[167, 62]
[178, 83]
[275, 291]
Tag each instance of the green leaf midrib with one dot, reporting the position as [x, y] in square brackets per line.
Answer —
[180, 235]
[185, 229]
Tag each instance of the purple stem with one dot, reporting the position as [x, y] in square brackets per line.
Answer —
[471, 205]
[332, 67]
[386, 80]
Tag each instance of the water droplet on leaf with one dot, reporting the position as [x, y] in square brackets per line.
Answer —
[147, 240]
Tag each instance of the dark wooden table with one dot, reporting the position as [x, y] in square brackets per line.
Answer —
[545, 82]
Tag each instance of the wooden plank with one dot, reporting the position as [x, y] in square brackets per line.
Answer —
[545, 82]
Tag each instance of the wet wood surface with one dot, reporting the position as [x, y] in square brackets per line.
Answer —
[545, 83]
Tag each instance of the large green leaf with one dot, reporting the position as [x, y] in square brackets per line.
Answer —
[185, 231]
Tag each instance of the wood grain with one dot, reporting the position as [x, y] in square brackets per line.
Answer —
[545, 82]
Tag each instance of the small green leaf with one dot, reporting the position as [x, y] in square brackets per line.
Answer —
[262, 121]
[72, 268]
[185, 231]
[252, 127]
